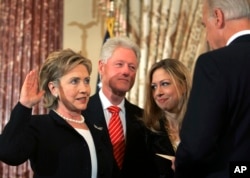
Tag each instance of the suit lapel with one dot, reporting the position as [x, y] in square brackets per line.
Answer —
[95, 113]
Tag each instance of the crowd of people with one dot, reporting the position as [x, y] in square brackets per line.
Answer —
[190, 126]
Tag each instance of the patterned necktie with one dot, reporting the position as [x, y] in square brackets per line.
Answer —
[116, 135]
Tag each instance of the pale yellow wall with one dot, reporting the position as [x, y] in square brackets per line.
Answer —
[83, 31]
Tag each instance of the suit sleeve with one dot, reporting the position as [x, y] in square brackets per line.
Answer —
[14, 143]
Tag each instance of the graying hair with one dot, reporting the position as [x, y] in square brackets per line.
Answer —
[233, 9]
[112, 43]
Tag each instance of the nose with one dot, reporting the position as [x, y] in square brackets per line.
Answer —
[84, 88]
[126, 69]
[158, 91]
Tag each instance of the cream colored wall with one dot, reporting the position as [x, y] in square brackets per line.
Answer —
[83, 31]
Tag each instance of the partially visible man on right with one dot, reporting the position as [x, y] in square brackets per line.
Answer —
[216, 128]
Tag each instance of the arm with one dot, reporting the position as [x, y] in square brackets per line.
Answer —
[15, 146]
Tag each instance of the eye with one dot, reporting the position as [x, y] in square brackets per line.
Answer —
[165, 84]
[153, 86]
[118, 64]
[132, 67]
[74, 81]
[87, 80]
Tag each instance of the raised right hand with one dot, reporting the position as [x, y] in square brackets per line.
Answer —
[30, 94]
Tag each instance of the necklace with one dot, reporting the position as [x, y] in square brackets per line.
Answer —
[71, 120]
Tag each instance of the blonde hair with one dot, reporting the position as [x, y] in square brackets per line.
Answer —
[56, 65]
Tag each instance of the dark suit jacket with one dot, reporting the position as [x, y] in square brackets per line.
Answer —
[136, 162]
[216, 128]
[54, 148]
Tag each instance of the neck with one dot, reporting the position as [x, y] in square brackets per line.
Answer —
[172, 120]
[114, 97]
[78, 120]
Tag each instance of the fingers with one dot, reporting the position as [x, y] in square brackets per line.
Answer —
[173, 164]
[32, 78]
[30, 95]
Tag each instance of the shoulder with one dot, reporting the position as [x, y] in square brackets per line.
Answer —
[41, 121]
[128, 104]
[134, 114]
[224, 58]
[94, 98]
[132, 107]
[94, 105]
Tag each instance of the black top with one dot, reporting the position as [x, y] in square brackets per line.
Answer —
[54, 148]
[160, 143]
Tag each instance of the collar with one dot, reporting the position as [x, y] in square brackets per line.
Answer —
[106, 103]
[236, 35]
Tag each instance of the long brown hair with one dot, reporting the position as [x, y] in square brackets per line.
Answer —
[181, 75]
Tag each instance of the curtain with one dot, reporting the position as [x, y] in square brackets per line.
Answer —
[162, 29]
[29, 30]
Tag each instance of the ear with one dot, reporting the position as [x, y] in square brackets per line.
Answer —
[219, 17]
[101, 67]
[53, 88]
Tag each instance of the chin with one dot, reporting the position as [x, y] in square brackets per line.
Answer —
[125, 88]
[83, 107]
[119, 92]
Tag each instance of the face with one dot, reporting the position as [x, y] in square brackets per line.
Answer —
[165, 91]
[74, 89]
[212, 28]
[118, 74]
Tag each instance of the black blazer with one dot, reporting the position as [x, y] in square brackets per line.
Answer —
[136, 160]
[216, 128]
[53, 147]
[160, 143]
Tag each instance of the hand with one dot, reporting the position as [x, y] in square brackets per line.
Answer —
[30, 94]
[173, 165]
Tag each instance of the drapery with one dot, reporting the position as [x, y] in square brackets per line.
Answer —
[162, 29]
[29, 30]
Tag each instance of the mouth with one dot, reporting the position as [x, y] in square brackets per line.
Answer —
[124, 80]
[161, 100]
[82, 99]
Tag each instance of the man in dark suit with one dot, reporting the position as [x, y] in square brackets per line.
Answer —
[216, 128]
[117, 67]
